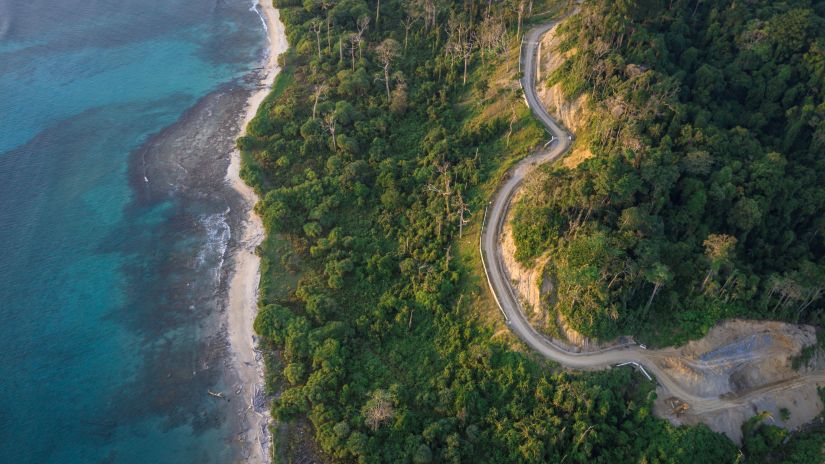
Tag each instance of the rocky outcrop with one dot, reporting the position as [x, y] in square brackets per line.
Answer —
[571, 113]
[526, 280]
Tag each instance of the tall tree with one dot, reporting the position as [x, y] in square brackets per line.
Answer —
[387, 52]
[315, 25]
[658, 274]
[363, 24]
[719, 250]
[317, 93]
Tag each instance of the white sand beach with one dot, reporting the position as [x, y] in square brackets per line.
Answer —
[243, 287]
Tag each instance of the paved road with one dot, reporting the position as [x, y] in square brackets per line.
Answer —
[505, 295]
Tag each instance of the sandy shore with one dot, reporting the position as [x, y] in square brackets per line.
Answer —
[243, 286]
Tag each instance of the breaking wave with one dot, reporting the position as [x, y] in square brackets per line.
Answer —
[217, 234]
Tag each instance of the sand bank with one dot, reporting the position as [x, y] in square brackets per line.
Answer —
[243, 286]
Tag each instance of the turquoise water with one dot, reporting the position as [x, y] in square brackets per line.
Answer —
[110, 279]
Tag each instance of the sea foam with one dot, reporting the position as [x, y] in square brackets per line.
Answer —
[217, 234]
[257, 11]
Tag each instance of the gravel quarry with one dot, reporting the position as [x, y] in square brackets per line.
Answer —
[741, 361]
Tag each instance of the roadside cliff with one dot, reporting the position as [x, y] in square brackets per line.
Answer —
[533, 285]
[571, 112]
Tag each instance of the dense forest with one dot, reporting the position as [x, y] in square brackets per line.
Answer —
[704, 198]
[384, 136]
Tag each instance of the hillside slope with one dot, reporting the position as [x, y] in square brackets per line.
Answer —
[701, 196]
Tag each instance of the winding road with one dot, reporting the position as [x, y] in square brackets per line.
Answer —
[506, 296]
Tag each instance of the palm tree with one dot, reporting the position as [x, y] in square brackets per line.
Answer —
[658, 274]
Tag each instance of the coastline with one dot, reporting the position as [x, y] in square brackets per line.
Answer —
[242, 305]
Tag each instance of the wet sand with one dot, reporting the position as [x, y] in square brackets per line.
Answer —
[245, 276]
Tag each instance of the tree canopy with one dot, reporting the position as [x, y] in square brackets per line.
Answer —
[373, 159]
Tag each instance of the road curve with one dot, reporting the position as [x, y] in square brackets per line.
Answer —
[505, 295]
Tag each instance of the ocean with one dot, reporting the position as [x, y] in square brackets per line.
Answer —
[117, 118]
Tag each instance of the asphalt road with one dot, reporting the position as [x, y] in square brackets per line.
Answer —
[505, 294]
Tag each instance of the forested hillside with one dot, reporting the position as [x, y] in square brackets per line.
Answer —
[705, 195]
[374, 156]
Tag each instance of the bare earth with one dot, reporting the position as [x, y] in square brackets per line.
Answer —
[743, 358]
[243, 287]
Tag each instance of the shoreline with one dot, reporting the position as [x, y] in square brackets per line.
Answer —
[242, 304]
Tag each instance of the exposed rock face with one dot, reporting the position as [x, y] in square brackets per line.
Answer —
[527, 280]
[571, 113]
[739, 357]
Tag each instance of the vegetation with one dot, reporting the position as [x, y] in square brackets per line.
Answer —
[763, 442]
[809, 352]
[704, 198]
[374, 164]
